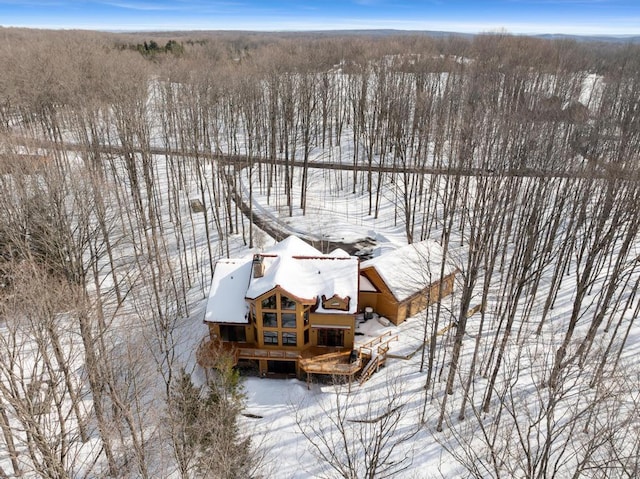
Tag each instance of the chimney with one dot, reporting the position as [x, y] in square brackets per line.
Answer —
[258, 266]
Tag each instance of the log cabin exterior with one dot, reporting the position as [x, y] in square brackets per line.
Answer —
[280, 309]
[401, 283]
[286, 304]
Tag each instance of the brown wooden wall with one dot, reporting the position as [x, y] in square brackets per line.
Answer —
[385, 304]
[346, 321]
[254, 330]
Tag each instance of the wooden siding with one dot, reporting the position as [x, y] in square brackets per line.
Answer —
[385, 304]
[255, 348]
[346, 322]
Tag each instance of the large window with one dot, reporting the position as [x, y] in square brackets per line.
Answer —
[331, 337]
[233, 333]
[288, 320]
[306, 336]
[289, 339]
[270, 320]
[270, 337]
[270, 302]
[286, 303]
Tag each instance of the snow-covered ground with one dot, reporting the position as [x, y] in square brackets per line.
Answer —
[280, 412]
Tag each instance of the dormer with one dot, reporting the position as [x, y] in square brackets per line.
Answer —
[335, 302]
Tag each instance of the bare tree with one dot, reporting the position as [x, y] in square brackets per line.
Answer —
[570, 431]
[360, 437]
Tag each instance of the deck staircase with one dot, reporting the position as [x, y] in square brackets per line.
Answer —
[372, 366]
[373, 354]
[369, 357]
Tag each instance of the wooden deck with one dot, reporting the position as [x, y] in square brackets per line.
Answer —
[382, 342]
[209, 352]
[332, 361]
[369, 357]
[270, 354]
[337, 363]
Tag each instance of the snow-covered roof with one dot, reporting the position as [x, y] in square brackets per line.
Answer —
[410, 268]
[226, 302]
[339, 253]
[293, 265]
[293, 246]
[308, 278]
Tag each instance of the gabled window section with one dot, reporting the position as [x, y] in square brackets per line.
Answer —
[270, 302]
[287, 303]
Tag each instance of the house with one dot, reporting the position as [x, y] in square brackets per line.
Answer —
[292, 309]
[283, 305]
[401, 283]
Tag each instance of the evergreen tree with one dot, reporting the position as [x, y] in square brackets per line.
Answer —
[205, 433]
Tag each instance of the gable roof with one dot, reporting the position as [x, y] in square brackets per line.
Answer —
[409, 269]
[308, 278]
[292, 246]
[294, 266]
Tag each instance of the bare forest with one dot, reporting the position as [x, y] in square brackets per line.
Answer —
[130, 163]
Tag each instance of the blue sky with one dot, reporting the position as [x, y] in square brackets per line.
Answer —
[610, 17]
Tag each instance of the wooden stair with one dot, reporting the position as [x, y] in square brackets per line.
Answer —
[375, 351]
[372, 366]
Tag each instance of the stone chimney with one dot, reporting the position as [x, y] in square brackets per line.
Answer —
[258, 266]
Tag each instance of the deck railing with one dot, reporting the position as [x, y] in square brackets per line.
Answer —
[372, 354]
[382, 341]
[255, 353]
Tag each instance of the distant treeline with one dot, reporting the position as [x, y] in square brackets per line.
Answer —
[151, 47]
